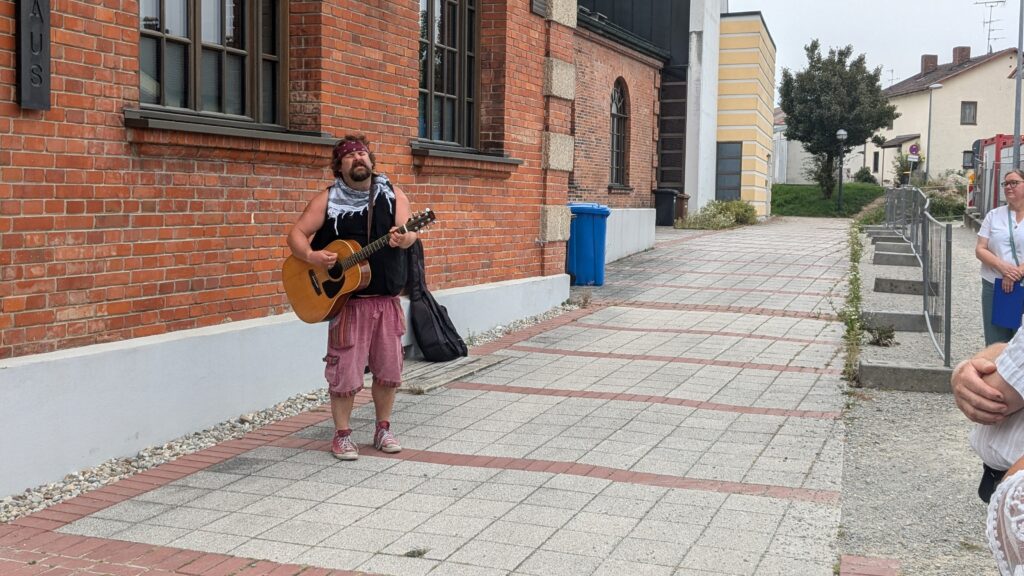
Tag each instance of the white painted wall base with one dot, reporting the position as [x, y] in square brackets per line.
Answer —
[630, 230]
[73, 409]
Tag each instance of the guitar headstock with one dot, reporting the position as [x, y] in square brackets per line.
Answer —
[420, 220]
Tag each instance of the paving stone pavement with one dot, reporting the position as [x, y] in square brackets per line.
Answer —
[685, 423]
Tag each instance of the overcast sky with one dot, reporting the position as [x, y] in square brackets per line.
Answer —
[892, 34]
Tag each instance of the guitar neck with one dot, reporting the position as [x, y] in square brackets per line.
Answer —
[369, 249]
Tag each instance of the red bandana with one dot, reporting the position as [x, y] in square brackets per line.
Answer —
[348, 147]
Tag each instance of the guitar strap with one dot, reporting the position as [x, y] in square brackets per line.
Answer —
[369, 215]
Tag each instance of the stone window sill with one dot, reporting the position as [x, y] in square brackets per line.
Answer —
[619, 189]
[431, 159]
[214, 126]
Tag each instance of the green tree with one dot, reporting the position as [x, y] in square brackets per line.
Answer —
[831, 93]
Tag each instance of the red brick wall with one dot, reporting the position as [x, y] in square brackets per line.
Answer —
[110, 233]
[598, 66]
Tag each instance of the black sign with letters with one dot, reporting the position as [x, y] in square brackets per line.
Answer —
[34, 54]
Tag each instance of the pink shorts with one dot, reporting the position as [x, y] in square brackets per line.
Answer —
[367, 332]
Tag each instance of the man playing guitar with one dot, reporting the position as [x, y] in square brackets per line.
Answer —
[360, 204]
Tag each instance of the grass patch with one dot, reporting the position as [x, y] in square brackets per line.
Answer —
[872, 215]
[806, 200]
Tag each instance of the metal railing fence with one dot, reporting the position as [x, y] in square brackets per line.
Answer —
[937, 276]
[906, 214]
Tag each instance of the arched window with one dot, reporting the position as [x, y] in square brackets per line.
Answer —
[620, 124]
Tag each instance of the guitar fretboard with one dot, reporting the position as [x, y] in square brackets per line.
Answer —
[368, 250]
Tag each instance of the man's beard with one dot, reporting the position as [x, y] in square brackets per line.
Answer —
[361, 176]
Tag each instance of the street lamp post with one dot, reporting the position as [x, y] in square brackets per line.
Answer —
[928, 145]
[841, 136]
[1016, 100]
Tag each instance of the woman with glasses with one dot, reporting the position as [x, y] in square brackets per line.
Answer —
[1001, 251]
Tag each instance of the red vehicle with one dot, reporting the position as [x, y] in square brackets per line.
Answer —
[993, 160]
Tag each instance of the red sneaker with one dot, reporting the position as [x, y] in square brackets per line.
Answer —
[384, 440]
[343, 447]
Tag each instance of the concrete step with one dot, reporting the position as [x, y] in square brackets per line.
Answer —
[904, 377]
[420, 376]
[887, 238]
[902, 286]
[894, 247]
[899, 321]
[895, 259]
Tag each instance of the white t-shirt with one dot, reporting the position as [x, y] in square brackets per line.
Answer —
[1001, 445]
[996, 229]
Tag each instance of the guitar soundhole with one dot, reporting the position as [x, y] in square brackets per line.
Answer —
[336, 271]
[332, 288]
[316, 285]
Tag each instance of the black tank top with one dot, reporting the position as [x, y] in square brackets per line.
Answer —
[387, 265]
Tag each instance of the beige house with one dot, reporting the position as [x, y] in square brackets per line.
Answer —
[970, 99]
[746, 91]
[790, 160]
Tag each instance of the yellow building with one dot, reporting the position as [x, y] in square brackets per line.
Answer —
[746, 95]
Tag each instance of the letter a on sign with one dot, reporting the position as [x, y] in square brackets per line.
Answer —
[34, 54]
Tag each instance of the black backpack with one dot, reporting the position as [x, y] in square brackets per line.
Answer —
[434, 331]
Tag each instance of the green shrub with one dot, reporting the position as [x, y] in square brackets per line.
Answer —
[742, 212]
[713, 216]
[864, 175]
[946, 205]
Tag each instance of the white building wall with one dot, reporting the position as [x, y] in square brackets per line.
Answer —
[629, 230]
[702, 101]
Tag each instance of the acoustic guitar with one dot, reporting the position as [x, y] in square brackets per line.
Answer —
[317, 294]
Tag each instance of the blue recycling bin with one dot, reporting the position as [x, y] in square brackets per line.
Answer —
[585, 252]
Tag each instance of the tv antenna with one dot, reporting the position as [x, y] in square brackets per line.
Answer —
[892, 77]
[990, 4]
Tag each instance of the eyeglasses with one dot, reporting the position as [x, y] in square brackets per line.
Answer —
[1011, 184]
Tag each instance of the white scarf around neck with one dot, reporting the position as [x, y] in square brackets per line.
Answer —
[342, 200]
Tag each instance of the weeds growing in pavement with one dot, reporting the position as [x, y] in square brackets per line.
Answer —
[851, 314]
[882, 335]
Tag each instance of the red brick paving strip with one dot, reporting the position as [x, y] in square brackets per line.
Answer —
[680, 359]
[535, 330]
[645, 398]
[613, 474]
[834, 341]
[32, 552]
[570, 317]
[690, 238]
[863, 566]
[720, 289]
[716, 308]
[745, 274]
[749, 263]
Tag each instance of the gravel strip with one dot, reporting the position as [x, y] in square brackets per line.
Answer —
[72, 485]
[909, 485]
